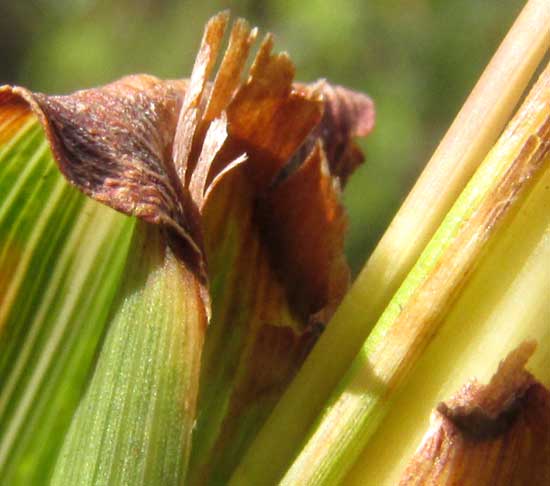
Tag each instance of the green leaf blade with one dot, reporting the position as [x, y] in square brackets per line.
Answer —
[134, 424]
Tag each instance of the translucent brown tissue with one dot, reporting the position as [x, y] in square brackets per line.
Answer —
[120, 143]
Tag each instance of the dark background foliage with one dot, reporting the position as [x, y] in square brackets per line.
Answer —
[418, 59]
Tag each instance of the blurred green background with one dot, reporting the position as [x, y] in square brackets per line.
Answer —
[418, 59]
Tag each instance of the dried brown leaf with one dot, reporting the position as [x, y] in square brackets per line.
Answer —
[496, 434]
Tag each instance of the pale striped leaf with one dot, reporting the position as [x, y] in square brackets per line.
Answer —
[61, 257]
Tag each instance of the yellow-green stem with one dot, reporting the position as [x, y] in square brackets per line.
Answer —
[504, 303]
[413, 316]
[466, 143]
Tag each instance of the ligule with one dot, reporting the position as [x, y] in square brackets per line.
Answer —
[220, 167]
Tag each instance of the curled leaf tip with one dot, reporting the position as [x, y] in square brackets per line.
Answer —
[347, 115]
[111, 143]
[494, 434]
